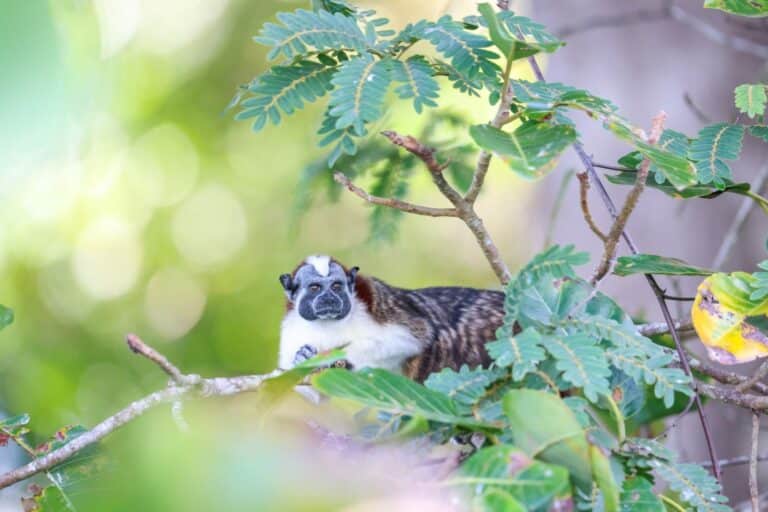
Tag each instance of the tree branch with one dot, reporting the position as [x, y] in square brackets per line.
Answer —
[584, 202]
[753, 492]
[182, 386]
[393, 203]
[464, 208]
[612, 240]
[656, 328]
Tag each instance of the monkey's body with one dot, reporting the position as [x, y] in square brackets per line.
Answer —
[415, 332]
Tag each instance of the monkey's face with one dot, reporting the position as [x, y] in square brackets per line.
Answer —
[320, 290]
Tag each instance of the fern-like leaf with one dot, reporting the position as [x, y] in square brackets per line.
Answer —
[750, 99]
[713, 145]
[466, 386]
[466, 51]
[303, 31]
[557, 262]
[459, 81]
[528, 27]
[523, 351]
[621, 335]
[343, 138]
[694, 484]
[417, 82]
[286, 89]
[360, 88]
[582, 362]
[653, 371]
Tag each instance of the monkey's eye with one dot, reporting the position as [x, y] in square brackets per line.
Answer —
[336, 286]
[314, 287]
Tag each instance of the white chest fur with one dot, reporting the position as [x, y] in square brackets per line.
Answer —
[368, 343]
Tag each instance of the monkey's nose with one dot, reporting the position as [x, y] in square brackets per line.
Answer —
[327, 303]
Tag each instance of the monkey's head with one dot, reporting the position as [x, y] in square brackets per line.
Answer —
[320, 289]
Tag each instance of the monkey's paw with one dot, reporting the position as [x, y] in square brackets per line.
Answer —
[304, 353]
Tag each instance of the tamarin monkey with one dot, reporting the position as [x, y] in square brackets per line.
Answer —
[413, 332]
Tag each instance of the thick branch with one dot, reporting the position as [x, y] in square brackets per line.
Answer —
[182, 387]
[393, 203]
[612, 240]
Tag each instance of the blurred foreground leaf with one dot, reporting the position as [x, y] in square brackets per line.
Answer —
[653, 264]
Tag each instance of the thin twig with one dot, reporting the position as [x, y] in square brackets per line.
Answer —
[393, 203]
[761, 372]
[584, 203]
[679, 298]
[737, 461]
[139, 347]
[464, 208]
[656, 328]
[612, 240]
[734, 230]
[611, 207]
[195, 386]
[753, 492]
[725, 377]
[613, 167]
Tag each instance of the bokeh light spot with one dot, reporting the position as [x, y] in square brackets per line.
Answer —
[107, 258]
[174, 303]
[210, 226]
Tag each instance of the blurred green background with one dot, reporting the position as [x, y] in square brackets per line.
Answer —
[131, 201]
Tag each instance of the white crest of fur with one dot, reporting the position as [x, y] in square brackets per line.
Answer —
[368, 343]
[321, 262]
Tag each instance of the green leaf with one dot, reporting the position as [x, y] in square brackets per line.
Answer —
[713, 145]
[392, 393]
[530, 150]
[653, 264]
[496, 500]
[756, 8]
[286, 89]
[653, 370]
[526, 26]
[601, 472]
[694, 484]
[556, 262]
[6, 317]
[582, 362]
[544, 427]
[13, 426]
[759, 131]
[706, 191]
[676, 168]
[417, 82]
[637, 495]
[522, 351]
[546, 97]
[510, 45]
[506, 468]
[360, 89]
[466, 51]
[466, 386]
[304, 31]
[750, 99]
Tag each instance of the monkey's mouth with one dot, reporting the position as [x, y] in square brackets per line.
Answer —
[327, 314]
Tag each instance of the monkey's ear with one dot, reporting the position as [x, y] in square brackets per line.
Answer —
[351, 275]
[287, 281]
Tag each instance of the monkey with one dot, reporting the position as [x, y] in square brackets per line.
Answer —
[411, 332]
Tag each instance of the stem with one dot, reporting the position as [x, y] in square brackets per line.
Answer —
[753, 492]
[672, 503]
[618, 418]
